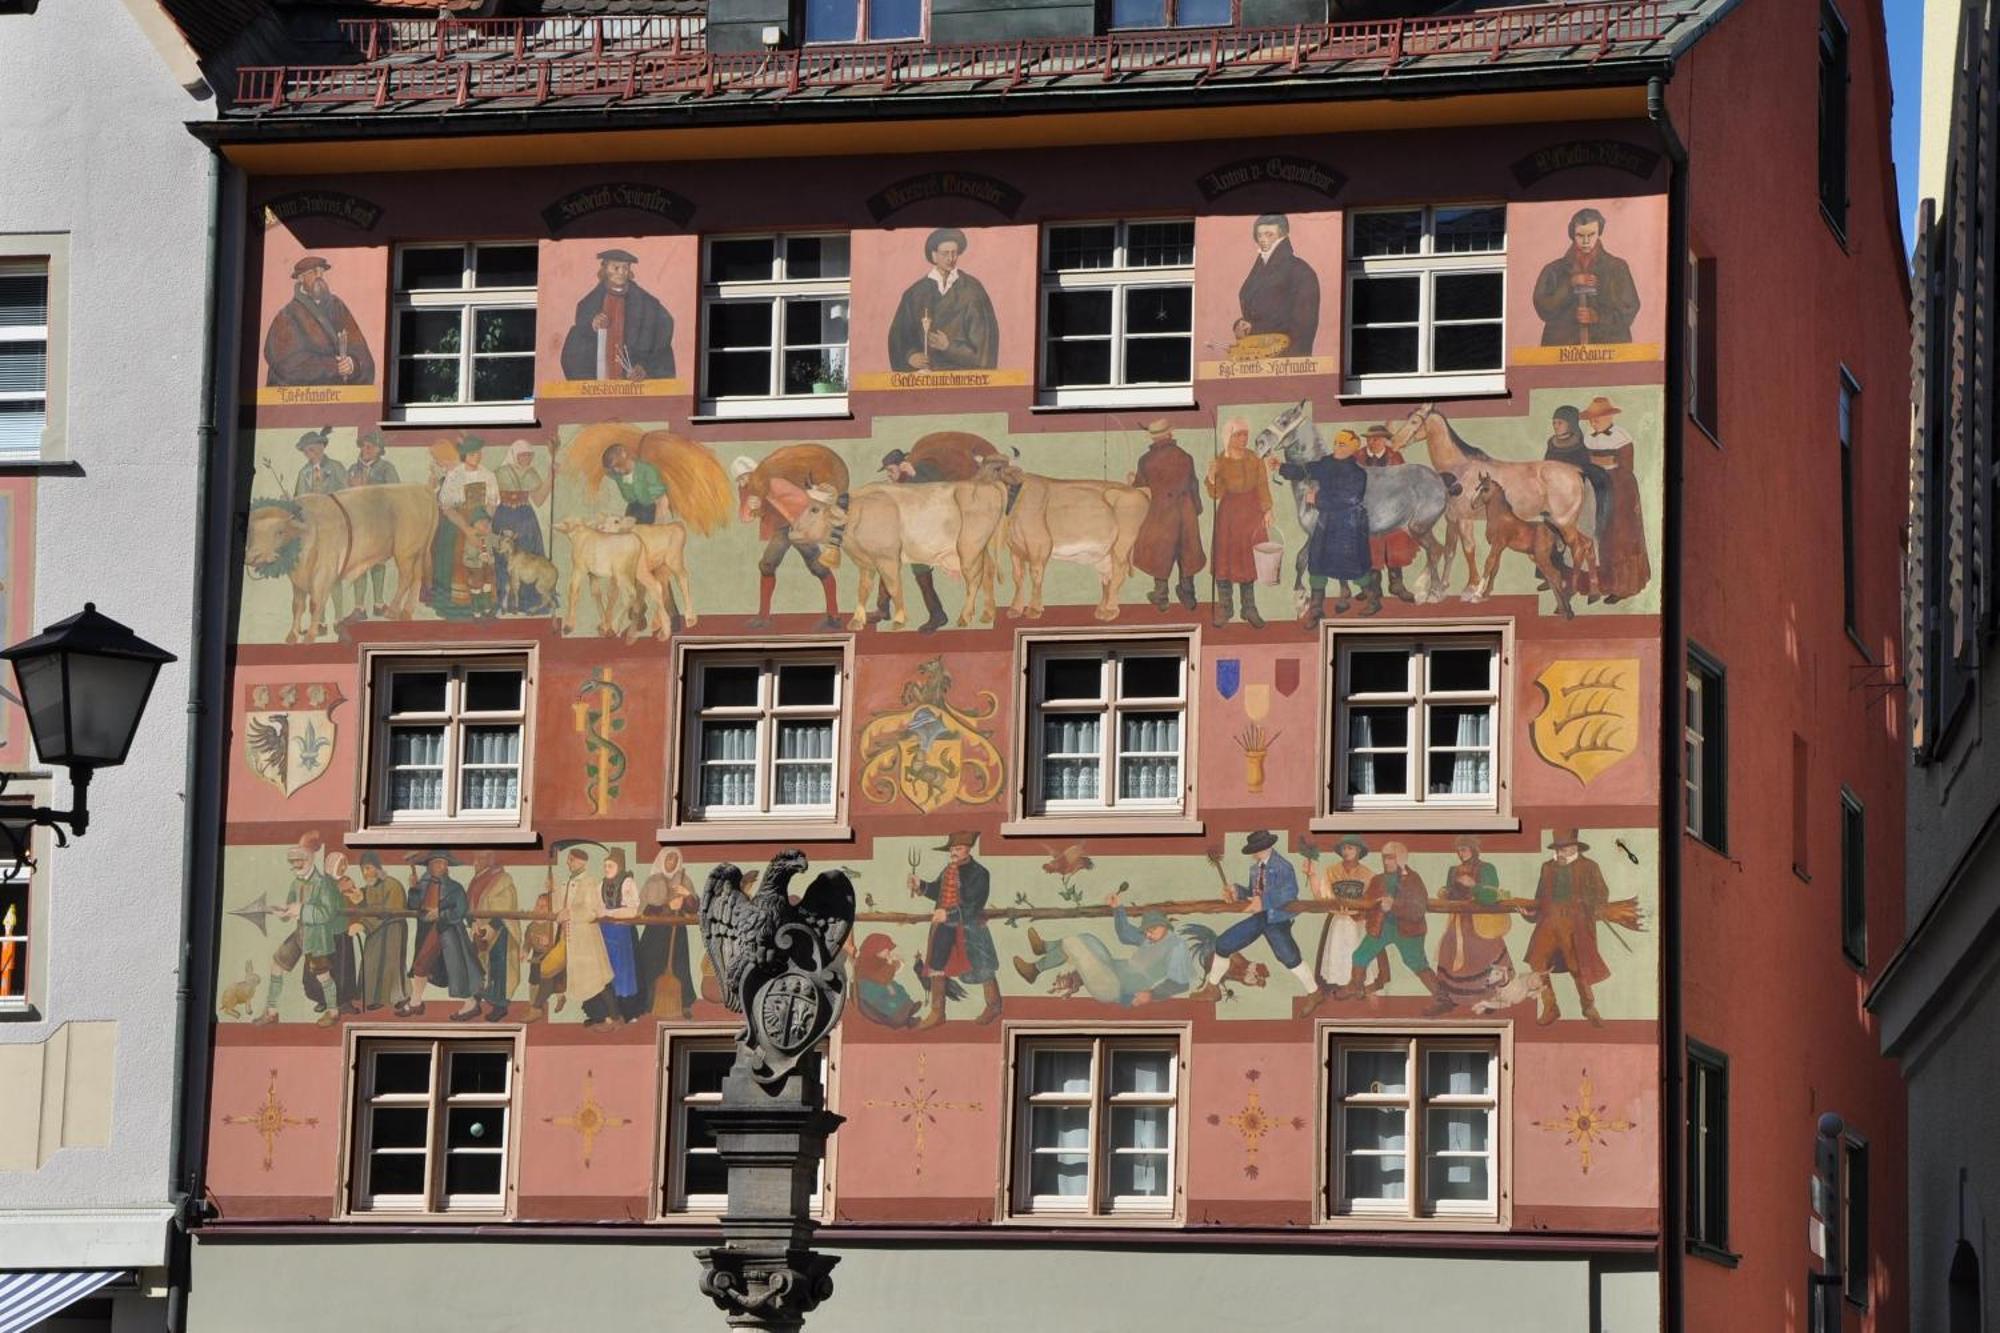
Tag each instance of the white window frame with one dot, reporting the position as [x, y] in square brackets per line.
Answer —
[433, 1203]
[672, 1202]
[692, 820]
[1343, 811]
[774, 291]
[468, 299]
[1702, 729]
[1707, 1148]
[1095, 1204]
[46, 253]
[26, 937]
[377, 769]
[1109, 707]
[1415, 1210]
[1121, 279]
[861, 37]
[1426, 265]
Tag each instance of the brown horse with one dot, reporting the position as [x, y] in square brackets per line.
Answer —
[1507, 531]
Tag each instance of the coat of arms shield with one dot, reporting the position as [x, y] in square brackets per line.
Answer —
[1590, 714]
[289, 733]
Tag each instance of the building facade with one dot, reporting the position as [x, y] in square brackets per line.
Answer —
[1192, 518]
[1935, 1000]
[103, 263]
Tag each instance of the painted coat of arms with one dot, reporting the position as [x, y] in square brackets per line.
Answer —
[289, 732]
[929, 750]
[1590, 714]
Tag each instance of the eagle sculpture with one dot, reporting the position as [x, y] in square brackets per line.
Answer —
[778, 961]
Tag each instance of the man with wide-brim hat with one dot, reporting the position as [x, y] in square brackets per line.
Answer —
[1569, 899]
[960, 948]
[1169, 537]
[314, 339]
[445, 955]
[1337, 543]
[1267, 899]
[1160, 965]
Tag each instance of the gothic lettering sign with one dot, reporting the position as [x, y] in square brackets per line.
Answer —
[1612, 153]
[1276, 169]
[351, 209]
[969, 186]
[610, 196]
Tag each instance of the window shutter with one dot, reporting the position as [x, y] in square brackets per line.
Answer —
[1917, 573]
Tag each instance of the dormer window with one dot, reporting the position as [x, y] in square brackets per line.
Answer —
[1170, 13]
[864, 20]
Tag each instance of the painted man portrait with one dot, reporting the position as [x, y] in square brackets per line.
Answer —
[314, 339]
[1279, 298]
[1587, 295]
[945, 320]
[622, 332]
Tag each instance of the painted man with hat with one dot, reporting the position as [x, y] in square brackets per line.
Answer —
[914, 468]
[1398, 904]
[960, 947]
[318, 475]
[1170, 535]
[945, 320]
[1268, 899]
[1609, 451]
[775, 493]
[314, 339]
[1160, 965]
[1569, 898]
[1396, 550]
[622, 332]
[1337, 546]
[445, 955]
[1587, 294]
[312, 901]
[385, 945]
[371, 468]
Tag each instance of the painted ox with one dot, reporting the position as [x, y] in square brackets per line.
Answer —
[323, 541]
[1092, 523]
[627, 559]
[949, 525]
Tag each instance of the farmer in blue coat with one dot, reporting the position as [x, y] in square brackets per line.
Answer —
[1267, 899]
[1337, 547]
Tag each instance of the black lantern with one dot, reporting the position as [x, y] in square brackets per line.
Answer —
[84, 683]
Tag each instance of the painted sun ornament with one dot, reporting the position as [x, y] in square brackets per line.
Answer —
[1586, 1123]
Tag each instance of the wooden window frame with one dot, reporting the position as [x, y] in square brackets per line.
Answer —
[1425, 265]
[774, 292]
[1853, 879]
[1419, 812]
[1334, 1036]
[1846, 419]
[358, 1098]
[1836, 61]
[1120, 279]
[468, 299]
[1705, 752]
[46, 253]
[1017, 1203]
[683, 823]
[671, 1202]
[1703, 361]
[1707, 1151]
[372, 824]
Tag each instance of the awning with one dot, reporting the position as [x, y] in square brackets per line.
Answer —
[26, 1299]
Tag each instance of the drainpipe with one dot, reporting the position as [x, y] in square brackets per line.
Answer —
[1673, 1037]
[201, 828]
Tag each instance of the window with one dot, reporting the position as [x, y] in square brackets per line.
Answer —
[465, 330]
[1170, 13]
[1096, 1126]
[1108, 730]
[24, 357]
[16, 958]
[1702, 766]
[1427, 1104]
[1426, 299]
[1801, 807]
[1853, 879]
[775, 311]
[431, 1124]
[1850, 393]
[1854, 1219]
[1707, 1149]
[1416, 722]
[694, 1178]
[863, 20]
[762, 736]
[1703, 359]
[1117, 310]
[448, 740]
[1833, 117]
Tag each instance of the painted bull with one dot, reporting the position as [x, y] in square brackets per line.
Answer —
[1092, 523]
[948, 525]
[323, 541]
[636, 560]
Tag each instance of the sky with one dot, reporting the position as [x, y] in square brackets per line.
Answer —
[1906, 61]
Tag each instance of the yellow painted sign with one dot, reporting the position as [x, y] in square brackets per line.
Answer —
[1585, 354]
[1590, 714]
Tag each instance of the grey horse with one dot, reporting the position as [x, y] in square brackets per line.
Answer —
[1409, 498]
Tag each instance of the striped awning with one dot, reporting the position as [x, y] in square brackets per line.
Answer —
[26, 1299]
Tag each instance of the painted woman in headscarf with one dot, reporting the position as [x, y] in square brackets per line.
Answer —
[1472, 957]
[521, 486]
[663, 945]
[619, 894]
[468, 488]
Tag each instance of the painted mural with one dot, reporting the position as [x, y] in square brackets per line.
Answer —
[935, 519]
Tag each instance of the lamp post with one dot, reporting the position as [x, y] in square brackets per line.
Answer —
[84, 684]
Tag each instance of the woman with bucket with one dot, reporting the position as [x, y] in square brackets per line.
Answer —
[1239, 484]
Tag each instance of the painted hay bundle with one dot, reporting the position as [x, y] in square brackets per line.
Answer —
[697, 486]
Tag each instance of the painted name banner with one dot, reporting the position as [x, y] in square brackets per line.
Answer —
[318, 395]
[940, 379]
[1277, 169]
[336, 205]
[611, 196]
[613, 388]
[970, 186]
[1266, 366]
[1585, 354]
[1615, 154]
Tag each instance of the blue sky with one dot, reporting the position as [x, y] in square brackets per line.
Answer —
[1906, 62]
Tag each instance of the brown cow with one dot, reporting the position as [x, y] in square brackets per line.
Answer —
[330, 539]
[949, 525]
[1092, 523]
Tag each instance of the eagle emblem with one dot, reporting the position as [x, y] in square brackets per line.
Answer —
[779, 961]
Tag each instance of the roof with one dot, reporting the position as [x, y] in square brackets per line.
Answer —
[458, 68]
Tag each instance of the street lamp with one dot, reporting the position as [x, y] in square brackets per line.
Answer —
[84, 683]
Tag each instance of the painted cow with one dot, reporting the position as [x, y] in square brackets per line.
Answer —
[625, 559]
[323, 541]
[949, 525]
[1092, 523]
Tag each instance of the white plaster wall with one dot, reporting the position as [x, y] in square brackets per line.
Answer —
[94, 144]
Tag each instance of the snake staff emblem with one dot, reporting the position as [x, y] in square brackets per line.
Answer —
[779, 959]
[929, 750]
[598, 707]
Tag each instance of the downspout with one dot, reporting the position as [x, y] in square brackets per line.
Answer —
[1673, 1093]
[200, 832]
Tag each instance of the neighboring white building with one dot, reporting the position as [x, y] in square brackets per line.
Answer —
[104, 221]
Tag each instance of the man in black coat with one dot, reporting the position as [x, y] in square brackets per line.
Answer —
[1281, 293]
[636, 330]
